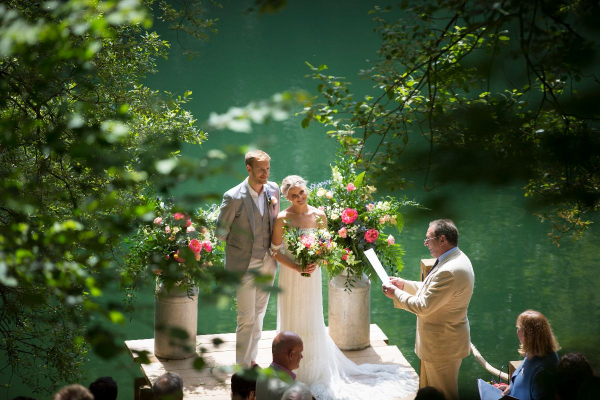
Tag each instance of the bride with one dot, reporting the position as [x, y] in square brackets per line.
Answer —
[324, 367]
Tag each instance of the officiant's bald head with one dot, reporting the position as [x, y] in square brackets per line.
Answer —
[287, 350]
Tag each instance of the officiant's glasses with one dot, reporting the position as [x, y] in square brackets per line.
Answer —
[428, 239]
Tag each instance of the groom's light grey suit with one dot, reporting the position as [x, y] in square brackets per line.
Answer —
[247, 235]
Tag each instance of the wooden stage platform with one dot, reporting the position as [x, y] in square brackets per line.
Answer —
[213, 384]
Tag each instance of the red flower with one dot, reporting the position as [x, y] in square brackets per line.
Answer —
[207, 245]
[178, 216]
[371, 235]
[349, 215]
[195, 246]
[345, 256]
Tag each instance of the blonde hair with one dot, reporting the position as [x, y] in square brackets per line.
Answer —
[257, 155]
[291, 181]
[538, 339]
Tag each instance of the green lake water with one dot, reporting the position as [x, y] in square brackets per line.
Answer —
[516, 265]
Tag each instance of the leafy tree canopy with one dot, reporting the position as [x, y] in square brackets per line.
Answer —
[81, 139]
[474, 90]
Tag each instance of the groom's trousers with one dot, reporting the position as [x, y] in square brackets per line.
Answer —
[251, 306]
[442, 376]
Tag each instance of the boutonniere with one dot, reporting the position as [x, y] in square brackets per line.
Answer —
[272, 200]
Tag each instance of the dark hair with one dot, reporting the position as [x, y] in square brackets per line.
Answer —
[429, 393]
[104, 388]
[242, 386]
[572, 370]
[447, 228]
[589, 389]
[168, 386]
[23, 398]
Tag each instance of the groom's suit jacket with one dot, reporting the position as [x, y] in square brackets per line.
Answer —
[235, 224]
[440, 303]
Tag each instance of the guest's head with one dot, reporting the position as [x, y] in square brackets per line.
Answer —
[23, 398]
[73, 392]
[535, 334]
[298, 391]
[104, 388]
[258, 165]
[242, 388]
[287, 350]
[293, 187]
[572, 370]
[168, 386]
[429, 393]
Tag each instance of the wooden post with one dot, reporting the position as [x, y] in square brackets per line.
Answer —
[426, 266]
[142, 390]
[512, 366]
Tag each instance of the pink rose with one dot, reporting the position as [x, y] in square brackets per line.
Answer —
[207, 245]
[349, 215]
[343, 232]
[188, 222]
[350, 187]
[167, 229]
[370, 206]
[190, 229]
[195, 246]
[178, 216]
[307, 240]
[178, 258]
[321, 208]
[157, 221]
[371, 235]
[391, 240]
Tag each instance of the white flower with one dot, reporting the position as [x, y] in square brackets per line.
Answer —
[321, 192]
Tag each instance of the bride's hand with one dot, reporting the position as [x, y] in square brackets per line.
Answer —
[310, 268]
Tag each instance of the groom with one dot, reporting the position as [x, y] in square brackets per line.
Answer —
[245, 224]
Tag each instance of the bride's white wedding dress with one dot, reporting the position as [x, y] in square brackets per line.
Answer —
[324, 367]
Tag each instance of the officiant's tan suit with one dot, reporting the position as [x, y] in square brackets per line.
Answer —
[440, 303]
[245, 224]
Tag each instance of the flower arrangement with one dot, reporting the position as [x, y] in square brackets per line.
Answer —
[309, 246]
[175, 248]
[357, 222]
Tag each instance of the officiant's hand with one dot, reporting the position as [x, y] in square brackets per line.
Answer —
[388, 290]
[398, 282]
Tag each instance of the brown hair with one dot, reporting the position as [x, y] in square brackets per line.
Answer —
[291, 181]
[258, 155]
[538, 339]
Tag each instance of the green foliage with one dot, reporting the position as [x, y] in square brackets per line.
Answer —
[81, 140]
[479, 91]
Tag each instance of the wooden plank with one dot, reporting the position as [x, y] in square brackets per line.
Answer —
[213, 383]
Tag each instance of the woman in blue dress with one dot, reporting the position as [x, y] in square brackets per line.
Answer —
[535, 378]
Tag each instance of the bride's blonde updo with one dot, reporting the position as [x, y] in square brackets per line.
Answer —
[291, 181]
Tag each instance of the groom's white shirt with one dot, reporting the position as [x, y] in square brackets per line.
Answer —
[259, 199]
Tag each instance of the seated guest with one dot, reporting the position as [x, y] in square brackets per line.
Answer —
[168, 386]
[589, 389]
[298, 391]
[572, 370]
[104, 388]
[73, 392]
[535, 378]
[242, 388]
[287, 352]
[429, 393]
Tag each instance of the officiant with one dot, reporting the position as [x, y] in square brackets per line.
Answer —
[440, 303]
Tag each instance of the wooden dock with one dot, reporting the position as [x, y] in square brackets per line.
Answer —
[213, 383]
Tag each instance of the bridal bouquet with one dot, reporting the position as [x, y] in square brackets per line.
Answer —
[309, 246]
[358, 222]
[174, 247]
